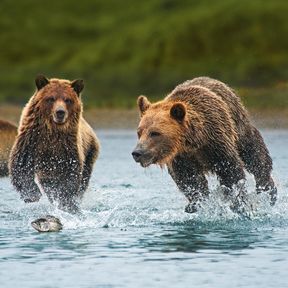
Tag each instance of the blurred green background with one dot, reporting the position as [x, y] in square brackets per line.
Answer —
[126, 48]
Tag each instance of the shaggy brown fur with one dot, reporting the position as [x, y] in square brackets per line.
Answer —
[8, 132]
[55, 148]
[201, 127]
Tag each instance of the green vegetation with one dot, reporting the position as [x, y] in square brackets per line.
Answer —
[126, 48]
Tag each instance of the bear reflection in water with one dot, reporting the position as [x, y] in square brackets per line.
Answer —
[202, 127]
[55, 148]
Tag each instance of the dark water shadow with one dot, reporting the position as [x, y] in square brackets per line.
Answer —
[226, 237]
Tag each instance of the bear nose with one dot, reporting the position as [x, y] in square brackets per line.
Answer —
[60, 113]
[137, 155]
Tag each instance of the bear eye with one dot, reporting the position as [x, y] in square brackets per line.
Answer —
[50, 99]
[154, 134]
[68, 101]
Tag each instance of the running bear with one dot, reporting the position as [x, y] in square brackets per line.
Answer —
[55, 149]
[202, 127]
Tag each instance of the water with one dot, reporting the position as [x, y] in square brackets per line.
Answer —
[135, 233]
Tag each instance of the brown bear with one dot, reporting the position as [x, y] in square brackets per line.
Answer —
[55, 149]
[8, 132]
[201, 127]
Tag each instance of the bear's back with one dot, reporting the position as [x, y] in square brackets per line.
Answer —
[237, 110]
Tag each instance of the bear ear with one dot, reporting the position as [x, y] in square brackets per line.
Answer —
[143, 104]
[41, 81]
[178, 111]
[77, 85]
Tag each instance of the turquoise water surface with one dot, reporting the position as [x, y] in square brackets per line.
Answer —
[135, 233]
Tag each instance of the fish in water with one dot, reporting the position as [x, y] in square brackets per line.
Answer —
[47, 224]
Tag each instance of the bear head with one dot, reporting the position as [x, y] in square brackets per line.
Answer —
[58, 101]
[160, 131]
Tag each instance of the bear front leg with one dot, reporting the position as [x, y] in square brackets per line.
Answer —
[266, 184]
[21, 170]
[258, 162]
[230, 171]
[63, 191]
[188, 175]
[87, 169]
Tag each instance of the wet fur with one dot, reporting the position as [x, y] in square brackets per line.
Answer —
[56, 159]
[250, 144]
[214, 136]
[8, 132]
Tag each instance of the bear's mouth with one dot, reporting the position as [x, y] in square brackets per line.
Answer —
[59, 120]
[145, 157]
[145, 165]
[145, 162]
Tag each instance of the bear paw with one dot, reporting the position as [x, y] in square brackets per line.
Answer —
[273, 196]
[272, 191]
[191, 208]
[32, 199]
[241, 206]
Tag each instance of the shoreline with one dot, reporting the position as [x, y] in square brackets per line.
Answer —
[117, 118]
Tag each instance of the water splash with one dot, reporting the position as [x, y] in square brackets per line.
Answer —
[128, 196]
[120, 207]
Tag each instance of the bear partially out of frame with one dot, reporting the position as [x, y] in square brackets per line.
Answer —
[8, 132]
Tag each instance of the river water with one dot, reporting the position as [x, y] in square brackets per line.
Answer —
[135, 233]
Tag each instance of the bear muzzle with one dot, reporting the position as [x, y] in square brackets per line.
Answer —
[143, 157]
[60, 116]
[137, 155]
